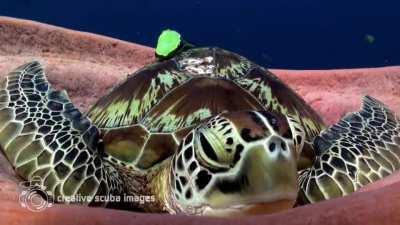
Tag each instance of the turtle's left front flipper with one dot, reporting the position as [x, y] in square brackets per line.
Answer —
[360, 149]
[44, 136]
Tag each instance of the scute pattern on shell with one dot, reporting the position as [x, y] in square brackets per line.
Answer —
[129, 102]
[151, 96]
[172, 96]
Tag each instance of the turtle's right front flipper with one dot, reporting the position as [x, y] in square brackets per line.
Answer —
[44, 136]
[360, 149]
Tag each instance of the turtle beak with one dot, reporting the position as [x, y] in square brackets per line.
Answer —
[267, 182]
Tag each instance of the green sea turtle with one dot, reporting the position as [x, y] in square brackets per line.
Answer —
[203, 131]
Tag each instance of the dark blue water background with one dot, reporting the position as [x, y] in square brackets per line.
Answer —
[298, 34]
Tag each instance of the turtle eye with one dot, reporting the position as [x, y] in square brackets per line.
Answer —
[279, 123]
[207, 148]
[288, 134]
[271, 118]
[208, 152]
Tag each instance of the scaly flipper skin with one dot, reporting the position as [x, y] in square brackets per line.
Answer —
[240, 158]
[43, 135]
[360, 149]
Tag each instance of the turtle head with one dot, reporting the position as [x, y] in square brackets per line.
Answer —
[237, 163]
[169, 44]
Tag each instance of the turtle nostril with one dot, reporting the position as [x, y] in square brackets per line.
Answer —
[277, 144]
[272, 147]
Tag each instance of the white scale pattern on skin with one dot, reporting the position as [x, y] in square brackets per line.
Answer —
[362, 148]
[30, 114]
[195, 204]
[380, 135]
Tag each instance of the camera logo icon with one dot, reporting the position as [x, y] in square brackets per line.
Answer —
[34, 195]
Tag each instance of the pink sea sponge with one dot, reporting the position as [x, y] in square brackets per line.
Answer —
[88, 65]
